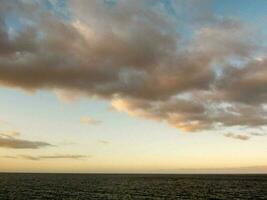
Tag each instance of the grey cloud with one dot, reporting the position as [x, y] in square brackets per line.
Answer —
[11, 157]
[21, 144]
[258, 134]
[127, 63]
[237, 136]
[44, 157]
[134, 54]
[8, 140]
[104, 142]
[246, 84]
[48, 157]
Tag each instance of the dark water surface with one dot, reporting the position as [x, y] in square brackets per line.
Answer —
[93, 186]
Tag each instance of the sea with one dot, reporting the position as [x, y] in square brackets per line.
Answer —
[23, 186]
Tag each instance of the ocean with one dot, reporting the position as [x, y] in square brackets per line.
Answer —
[126, 186]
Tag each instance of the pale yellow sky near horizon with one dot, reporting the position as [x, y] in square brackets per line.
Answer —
[139, 146]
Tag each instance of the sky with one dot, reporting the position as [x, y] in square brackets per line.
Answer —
[121, 86]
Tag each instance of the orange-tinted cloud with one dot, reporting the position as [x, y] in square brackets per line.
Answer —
[89, 120]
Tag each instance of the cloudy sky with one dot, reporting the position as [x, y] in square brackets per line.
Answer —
[133, 86]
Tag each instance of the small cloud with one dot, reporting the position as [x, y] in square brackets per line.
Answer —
[258, 134]
[11, 157]
[237, 136]
[259, 58]
[105, 142]
[68, 96]
[27, 157]
[10, 134]
[46, 157]
[3, 122]
[89, 120]
[9, 140]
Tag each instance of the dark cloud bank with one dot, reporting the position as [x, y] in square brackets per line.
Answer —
[138, 56]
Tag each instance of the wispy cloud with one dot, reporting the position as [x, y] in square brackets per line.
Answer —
[3, 122]
[90, 121]
[258, 134]
[49, 157]
[226, 170]
[11, 157]
[9, 140]
[9, 134]
[237, 136]
[104, 142]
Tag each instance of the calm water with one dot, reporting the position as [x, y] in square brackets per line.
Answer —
[80, 186]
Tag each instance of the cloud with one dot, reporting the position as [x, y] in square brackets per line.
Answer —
[50, 157]
[90, 121]
[21, 144]
[8, 140]
[3, 122]
[258, 134]
[10, 134]
[237, 136]
[11, 157]
[226, 170]
[104, 142]
[136, 55]
[68, 96]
